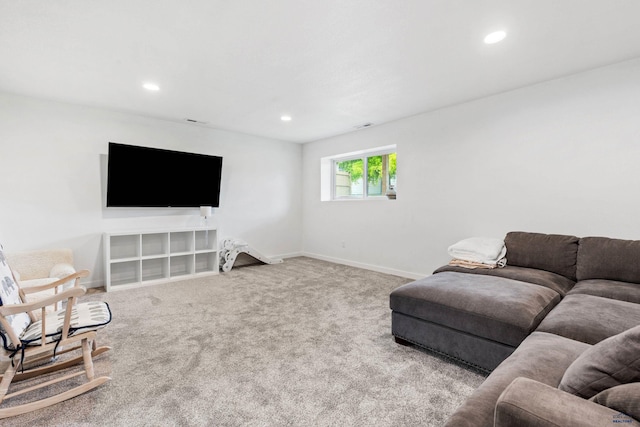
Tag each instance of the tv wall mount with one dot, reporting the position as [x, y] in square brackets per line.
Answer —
[238, 252]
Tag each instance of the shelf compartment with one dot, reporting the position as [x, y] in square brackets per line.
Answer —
[181, 265]
[180, 241]
[205, 240]
[206, 262]
[123, 273]
[125, 246]
[155, 244]
[155, 269]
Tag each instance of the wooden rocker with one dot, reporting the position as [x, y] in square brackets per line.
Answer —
[32, 345]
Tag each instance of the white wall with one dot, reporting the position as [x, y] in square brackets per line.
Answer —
[558, 157]
[53, 162]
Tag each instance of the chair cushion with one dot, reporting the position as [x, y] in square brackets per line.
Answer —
[550, 252]
[84, 317]
[607, 364]
[605, 258]
[10, 294]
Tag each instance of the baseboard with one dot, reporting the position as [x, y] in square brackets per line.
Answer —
[93, 284]
[289, 255]
[379, 269]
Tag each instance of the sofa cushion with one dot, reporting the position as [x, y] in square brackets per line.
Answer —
[607, 364]
[550, 280]
[605, 258]
[590, 319]
[550, 252]
[495, 308]
[623, 291]
[623, 398]
[541, 357]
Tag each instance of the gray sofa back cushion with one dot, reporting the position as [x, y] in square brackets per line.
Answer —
[550, 252]
[612, 259]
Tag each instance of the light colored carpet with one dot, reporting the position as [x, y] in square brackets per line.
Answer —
[303, 343]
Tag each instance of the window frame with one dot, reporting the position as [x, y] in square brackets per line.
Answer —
[359, 155]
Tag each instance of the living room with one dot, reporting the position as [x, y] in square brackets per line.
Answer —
[550, 152]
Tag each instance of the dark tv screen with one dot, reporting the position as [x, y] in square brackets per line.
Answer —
[152, 177]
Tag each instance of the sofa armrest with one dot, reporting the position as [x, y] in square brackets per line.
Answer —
[526, 402]
[37, 264]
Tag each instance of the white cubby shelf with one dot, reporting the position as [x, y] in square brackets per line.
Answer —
[137, 258]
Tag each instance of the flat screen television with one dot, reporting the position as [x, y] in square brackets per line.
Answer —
[152, 177]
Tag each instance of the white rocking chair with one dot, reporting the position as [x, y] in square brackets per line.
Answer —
[31, 346]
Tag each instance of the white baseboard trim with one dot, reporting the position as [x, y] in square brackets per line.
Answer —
[289, 255]
[93, 284]
[379, 269]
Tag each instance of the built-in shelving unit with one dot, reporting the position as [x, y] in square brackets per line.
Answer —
[142, 258]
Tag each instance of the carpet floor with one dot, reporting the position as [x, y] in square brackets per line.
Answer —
[302, 343]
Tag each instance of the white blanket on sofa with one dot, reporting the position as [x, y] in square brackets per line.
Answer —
[485, 250]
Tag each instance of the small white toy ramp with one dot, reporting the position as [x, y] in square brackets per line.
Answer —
[236, 252]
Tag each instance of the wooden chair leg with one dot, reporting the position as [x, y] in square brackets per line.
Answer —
[88, 360]
[39, 404]
[41, 370]
[89, 349]
[7, 377]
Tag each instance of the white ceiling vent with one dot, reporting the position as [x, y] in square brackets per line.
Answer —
[366, 125]
[200, 122]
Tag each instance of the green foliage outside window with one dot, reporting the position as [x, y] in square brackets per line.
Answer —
[374, 171]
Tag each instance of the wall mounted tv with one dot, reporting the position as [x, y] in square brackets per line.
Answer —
[152, 177]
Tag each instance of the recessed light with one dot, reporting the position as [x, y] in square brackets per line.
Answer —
[495, 37]
[285, 118]
[151, 86]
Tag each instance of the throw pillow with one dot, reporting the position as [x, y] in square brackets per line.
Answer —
[61, 271]
[609, 363]
[624, 398]
[10, 294]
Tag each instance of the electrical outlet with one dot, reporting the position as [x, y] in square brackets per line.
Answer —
[343, 244]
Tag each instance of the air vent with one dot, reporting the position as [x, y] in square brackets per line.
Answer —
[200, 122]
[366, 125]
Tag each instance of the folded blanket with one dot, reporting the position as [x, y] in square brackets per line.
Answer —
[472, 264]
[484, 250]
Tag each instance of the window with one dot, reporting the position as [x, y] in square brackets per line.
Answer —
[363, 175]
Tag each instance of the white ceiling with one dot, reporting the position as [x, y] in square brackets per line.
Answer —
[332, 65]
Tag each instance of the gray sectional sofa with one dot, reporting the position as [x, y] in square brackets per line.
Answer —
[558, 328]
